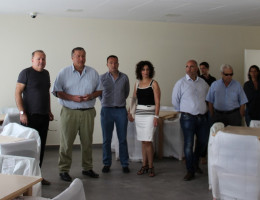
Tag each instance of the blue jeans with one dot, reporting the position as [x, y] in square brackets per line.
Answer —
[109, 117]
[194, 125]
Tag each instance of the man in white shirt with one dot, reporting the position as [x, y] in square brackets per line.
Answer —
[188, 98]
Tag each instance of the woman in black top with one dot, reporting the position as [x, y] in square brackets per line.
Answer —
[148, 95]
[252, 90]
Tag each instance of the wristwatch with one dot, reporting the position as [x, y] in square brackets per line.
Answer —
[21, 112]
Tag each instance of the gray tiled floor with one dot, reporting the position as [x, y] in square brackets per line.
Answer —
[167, 184]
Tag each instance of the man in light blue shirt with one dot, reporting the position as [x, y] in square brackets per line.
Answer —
[188, 98]
[226, 99]
[113, 100]
[77, 87]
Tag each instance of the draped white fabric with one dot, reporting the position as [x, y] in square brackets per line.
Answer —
[213, 130]
[27, 148]
[21, 166]
[11, 118]
[255, 123]
[19, 131]
[11, 115]
[172, 138]
[235, 166]
[74, 192]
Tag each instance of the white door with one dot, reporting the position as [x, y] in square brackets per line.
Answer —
[252, 57]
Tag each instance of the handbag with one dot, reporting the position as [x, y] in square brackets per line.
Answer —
[133, 104]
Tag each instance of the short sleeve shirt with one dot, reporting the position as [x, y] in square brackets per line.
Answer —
[36, 92]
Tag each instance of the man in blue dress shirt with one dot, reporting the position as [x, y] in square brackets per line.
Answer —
[113, 100]
[77, 87]
[188, 98]
[226, 99]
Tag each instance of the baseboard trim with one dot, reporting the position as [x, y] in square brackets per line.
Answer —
[75, 146]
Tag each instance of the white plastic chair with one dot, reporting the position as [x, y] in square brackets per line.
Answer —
[21, 166]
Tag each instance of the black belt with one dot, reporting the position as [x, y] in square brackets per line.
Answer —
[198, 115]
[117, 107]
[83, 109]
[227, 112]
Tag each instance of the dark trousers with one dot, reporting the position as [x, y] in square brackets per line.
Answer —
[232, 118]
[194, 125]
[41, 124]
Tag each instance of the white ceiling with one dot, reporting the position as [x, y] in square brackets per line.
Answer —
[222, 12]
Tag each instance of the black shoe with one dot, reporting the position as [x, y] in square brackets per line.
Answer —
[106, 169]
[198, 170]
[126, 170]
[90, 173]
[65, 176]
[189, 176]
[45, 182]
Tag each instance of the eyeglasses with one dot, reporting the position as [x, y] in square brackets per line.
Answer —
[228, 74]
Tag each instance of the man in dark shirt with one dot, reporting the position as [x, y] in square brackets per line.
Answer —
[113, 100]
[33, 99]
[204, 69]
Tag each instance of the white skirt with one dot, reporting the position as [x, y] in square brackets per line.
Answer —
[144, 122]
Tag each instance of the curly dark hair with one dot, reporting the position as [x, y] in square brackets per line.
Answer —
[139, 68]
[257, 69]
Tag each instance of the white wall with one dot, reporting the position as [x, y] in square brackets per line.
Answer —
[252, 57]
[168, 46]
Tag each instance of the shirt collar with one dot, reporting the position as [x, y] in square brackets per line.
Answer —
[228, 84]
[74, 70]
[189, 78]
[119, 73]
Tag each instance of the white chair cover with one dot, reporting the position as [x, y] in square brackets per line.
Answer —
[11, 118]
[19, 131]
[11, 115]
[31, 198]
[74, 192]
[21, 166]
[235, 166]
[255, 123]
[9, 110]
[213, 131]
[26, 148]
